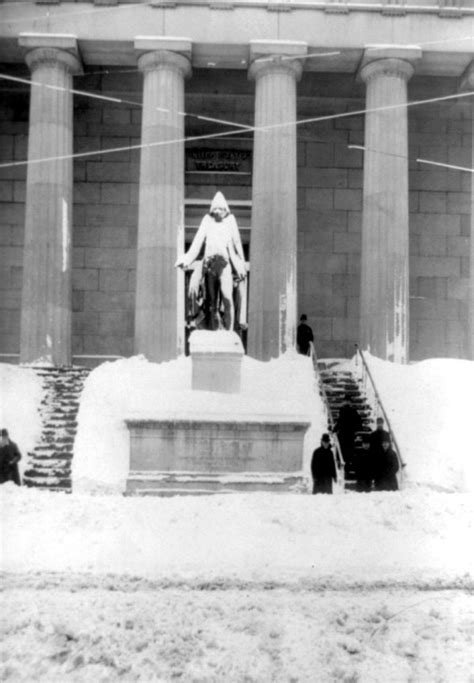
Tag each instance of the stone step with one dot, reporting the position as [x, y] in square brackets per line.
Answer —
[46, 449]
[47, 472]
[49, 463]
[52, 455]
[59, 485]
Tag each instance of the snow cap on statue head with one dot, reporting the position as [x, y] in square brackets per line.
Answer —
[219, 202]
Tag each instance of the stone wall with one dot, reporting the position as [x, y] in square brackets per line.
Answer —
[439, 232]
[13, 146]
[329, 210]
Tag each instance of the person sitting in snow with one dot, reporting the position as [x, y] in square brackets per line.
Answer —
[386, 467]
[10, 456]
[223, 257]
[323, 468]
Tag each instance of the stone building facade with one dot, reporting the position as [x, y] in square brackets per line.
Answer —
[339, 219]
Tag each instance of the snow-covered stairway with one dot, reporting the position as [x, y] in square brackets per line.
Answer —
[49, 464]
[338, 382]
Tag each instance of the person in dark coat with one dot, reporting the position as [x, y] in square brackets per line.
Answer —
[323, 468]
[304, 335]
[10, 456]
[385, 468]
[348, 423]
[378, 436]
[364, 466]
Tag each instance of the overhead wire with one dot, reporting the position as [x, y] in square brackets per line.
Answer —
[265, 128]
[406, 157]
[118, 100]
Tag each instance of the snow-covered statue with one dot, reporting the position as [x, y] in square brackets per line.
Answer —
[215, 285]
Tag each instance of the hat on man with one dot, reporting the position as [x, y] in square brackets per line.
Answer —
[4, 433]
[326, 438]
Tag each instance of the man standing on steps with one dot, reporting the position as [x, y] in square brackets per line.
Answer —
[323, 468]
[10, 456]
[348, 424]
[377, 437]
[304, 336]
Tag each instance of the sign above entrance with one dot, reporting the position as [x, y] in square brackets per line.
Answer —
[218, 161]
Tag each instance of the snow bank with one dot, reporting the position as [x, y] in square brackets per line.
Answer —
[20, 397]
[135, 388]
[430, 408]
[414, 538]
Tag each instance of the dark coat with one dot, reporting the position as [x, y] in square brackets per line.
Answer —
[10, 456]
[376, 438]
[364, 469]
[304, 335]
[348, 423]
[385, 470]
[323, 470]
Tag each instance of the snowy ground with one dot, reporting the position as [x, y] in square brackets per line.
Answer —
[242, 587]
[108, 633]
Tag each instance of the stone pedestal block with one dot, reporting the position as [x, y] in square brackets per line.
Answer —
[168, 457]
[216, 361]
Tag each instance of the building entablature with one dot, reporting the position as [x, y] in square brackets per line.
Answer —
[222, 39]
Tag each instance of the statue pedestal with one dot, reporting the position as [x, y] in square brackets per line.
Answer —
[216, 361]
[184, 456]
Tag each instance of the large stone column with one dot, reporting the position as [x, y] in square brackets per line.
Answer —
[467, 84]
[46, 293]
[165, 62]
[272, 297]
[385, 249]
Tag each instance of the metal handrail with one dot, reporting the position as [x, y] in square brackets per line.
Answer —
[379, 408]
[338, 457]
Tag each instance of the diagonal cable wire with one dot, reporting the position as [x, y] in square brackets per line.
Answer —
[266, 128]
[108, 98]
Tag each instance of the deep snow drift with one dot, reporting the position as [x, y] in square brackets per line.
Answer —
[20, 397]
[431, 409]
[412, 537]
[134, 388]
